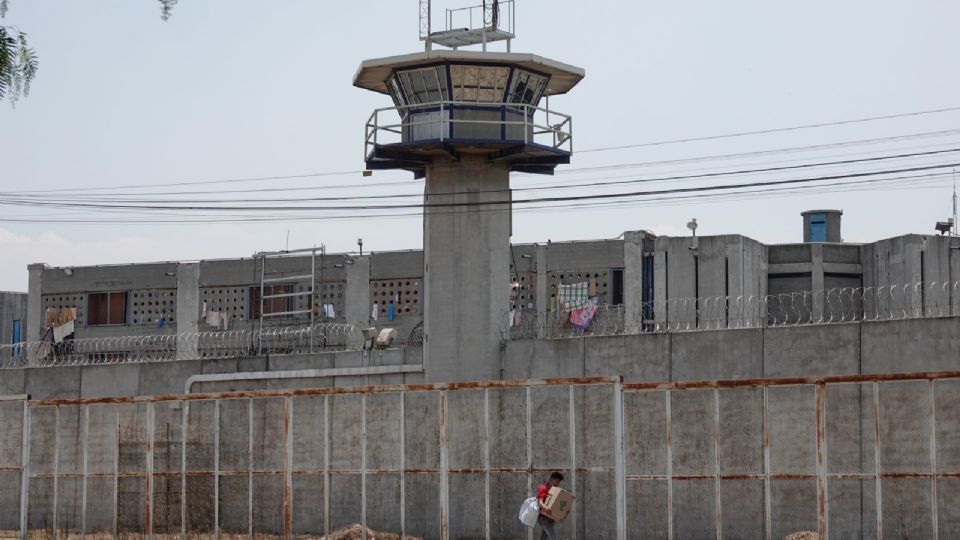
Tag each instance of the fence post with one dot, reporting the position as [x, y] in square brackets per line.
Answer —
[529, 448]
[287, 467]
[83, 482]
[149, 465]
[486, 463]
[326, 466]
[619, 463]
[822, 524]
[933, 460]
[573, 451]
[363, 466]
[876, 458]
[444, 470]
[56, 463]
[216, 468]
[24, 469]
[767, 519]
[718, 508]
[403, 465]
[669, 428]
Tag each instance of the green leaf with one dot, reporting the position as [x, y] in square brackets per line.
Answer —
[166, 8]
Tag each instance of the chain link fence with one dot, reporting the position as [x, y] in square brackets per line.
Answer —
[847, 457]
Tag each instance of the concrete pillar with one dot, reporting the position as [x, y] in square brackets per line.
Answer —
[954, 278]
[33, 326]
[466, 255]
[188, 309]
[357, 304]
[633, 279]
[661, 313]
[543, 291]
[816, 280]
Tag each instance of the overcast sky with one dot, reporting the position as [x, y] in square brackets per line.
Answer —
[232, 89]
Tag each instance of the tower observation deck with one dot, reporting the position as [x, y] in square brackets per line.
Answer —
[463, 120]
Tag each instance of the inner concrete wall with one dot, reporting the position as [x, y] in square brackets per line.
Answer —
[900, 346]
[162, 378]
[806, 351]
[13, 307]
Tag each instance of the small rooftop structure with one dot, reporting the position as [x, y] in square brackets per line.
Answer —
[493, 20]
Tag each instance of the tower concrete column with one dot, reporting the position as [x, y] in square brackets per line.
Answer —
[33, 326]
[466, 251]
[357, 305]
[633, 278]
[188, 309]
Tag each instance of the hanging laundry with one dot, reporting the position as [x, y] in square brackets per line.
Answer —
[518, 318]
[203, 312]
[390, 311]
[160, 322]
[51, 317]
[376, 311]
[67, 315]
[62, 331]
[513, 317]
[572, 296]
[329, 311]
[592, 287]
[582, 317]
[212, 318]
[225, 320]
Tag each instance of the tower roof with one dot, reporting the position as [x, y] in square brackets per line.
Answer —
[374, 73]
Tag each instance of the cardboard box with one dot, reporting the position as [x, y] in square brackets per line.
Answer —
[559, 501]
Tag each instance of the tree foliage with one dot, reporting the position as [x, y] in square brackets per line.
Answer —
[18, 62]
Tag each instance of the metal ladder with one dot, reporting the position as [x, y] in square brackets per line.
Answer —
[268, 278]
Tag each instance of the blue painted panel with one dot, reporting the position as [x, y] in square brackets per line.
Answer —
[16, 337]
[818, 228]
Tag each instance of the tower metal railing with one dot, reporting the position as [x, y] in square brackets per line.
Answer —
[519, 122]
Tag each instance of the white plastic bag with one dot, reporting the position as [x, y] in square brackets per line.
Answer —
[529, 512]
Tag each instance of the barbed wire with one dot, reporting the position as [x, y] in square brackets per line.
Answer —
[811, 307]
[187, 346]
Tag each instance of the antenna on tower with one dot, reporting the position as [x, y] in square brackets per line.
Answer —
[425, 24]
[954, 231]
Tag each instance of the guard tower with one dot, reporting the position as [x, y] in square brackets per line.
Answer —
[463, 120]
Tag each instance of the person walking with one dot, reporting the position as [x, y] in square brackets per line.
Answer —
[544, 521]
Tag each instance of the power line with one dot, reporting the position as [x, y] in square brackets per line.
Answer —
[862, 185]
[639, 145]
[491, 203]
[573, 186]
[772, 130]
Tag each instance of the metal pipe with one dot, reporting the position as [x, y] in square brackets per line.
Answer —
[301, 374]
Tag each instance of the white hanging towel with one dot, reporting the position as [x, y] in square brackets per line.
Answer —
[375, 312]
[212, 318]
[328, 309]
[62, 331]
[225, 320]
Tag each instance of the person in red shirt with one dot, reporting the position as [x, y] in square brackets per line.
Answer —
[544, 521]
